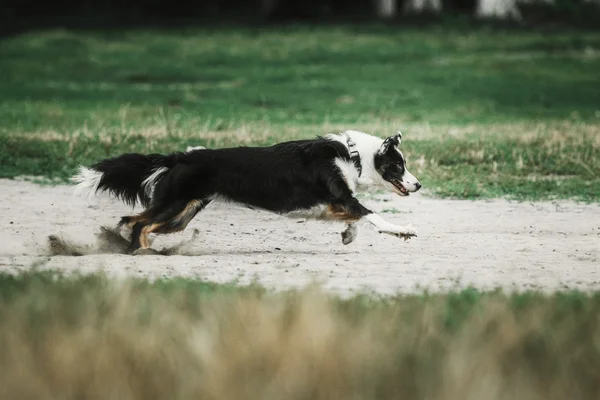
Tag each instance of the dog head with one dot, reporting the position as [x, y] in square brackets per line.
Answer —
[391, 165]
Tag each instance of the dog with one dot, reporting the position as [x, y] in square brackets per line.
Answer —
[310, 178]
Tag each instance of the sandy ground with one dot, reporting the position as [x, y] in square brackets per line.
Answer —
[485, 244]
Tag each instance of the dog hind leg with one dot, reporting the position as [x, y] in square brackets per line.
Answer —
[136, 237]
[173, 217]
[170, 222]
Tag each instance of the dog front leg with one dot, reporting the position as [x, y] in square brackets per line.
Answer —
[351, 211]
[383, 226]
[358, 210]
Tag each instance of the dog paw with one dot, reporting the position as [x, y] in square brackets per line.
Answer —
[349, 234]
[410, 231]
[195, 234]
[404, 233]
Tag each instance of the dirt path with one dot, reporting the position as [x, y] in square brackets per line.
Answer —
[484, 243]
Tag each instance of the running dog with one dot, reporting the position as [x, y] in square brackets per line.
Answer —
[314, 179]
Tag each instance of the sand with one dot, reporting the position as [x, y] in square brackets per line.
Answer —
[484, 244]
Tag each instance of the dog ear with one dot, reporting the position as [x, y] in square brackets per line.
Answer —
[392, 141]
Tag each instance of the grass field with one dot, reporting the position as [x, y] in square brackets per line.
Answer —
[485, 113]
[90, 337]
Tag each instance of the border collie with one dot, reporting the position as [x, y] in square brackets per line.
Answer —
[314, 179]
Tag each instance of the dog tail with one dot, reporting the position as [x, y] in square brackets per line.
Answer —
[130, 177]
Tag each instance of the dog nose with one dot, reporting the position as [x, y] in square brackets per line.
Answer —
[418, 185]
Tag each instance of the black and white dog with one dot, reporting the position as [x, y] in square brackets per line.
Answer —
[314, 179]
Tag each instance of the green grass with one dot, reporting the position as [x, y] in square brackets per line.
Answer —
[528, 101]
[95, 337]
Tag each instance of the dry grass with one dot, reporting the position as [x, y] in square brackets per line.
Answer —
[93, 338]
[520, 160]
[262, 132]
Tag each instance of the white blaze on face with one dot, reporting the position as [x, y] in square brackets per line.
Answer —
[409, 181]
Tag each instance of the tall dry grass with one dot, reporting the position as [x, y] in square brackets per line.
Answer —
[100, 339]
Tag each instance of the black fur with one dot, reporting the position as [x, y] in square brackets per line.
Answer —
[123, 175]
[390, 164]
[282, 178]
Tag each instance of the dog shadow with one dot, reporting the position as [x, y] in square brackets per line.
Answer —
[109, 241]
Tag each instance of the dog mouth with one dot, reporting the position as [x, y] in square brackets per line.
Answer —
[398, 185]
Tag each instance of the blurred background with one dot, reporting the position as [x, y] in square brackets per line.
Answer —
[17, 15]
[495, 97]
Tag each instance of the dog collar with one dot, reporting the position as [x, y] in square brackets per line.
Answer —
[354, 156]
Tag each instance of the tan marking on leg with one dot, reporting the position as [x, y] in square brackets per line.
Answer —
[145, 232]
[144, 239]
[181, 220]
[141, 217]
[189, 212]
[176, 224]
[339, 212]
